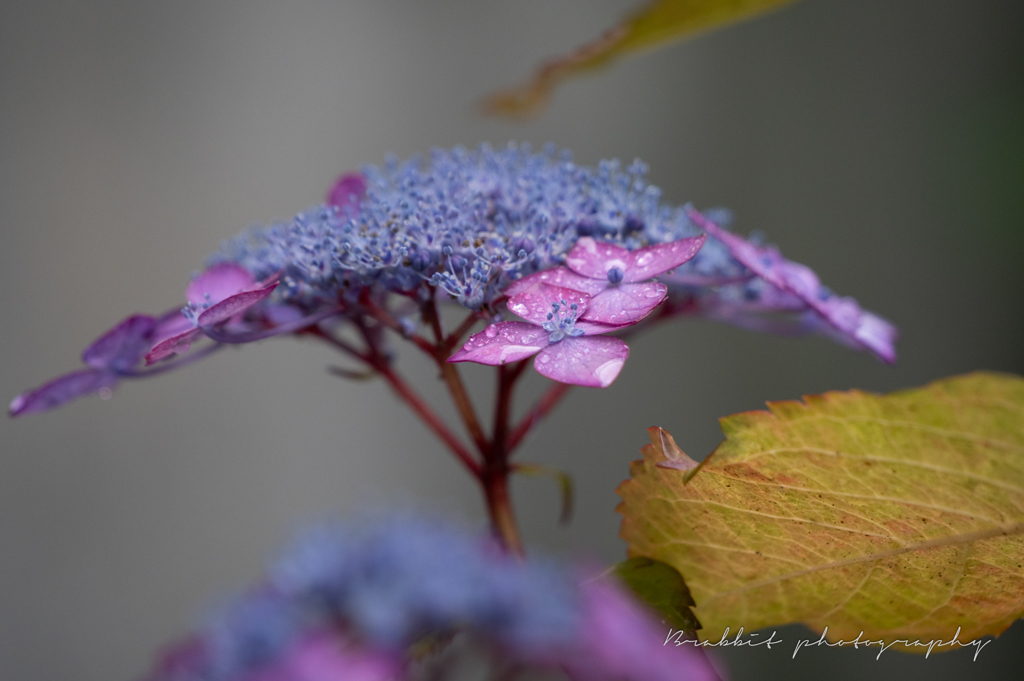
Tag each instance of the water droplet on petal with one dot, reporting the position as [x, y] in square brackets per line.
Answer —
[490, 331]
[544, 359]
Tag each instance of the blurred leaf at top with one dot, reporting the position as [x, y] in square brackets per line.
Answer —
[658, 23]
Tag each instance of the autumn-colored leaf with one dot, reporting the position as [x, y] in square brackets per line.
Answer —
[900, 516]
[658, 23]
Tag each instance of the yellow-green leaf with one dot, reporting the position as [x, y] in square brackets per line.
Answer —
[658, 23]
[897, 515]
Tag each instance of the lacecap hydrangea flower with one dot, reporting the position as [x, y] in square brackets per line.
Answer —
[358, 602]
[466, 227]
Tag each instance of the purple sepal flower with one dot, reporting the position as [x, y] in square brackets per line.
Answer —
[109, 357]
[566, 347]
[221, 293]
[122, 346]
[63, 389]
[797, 287]
[615, 277]
[621, 640]
[317, 656]
[348, 190]
[326, 657]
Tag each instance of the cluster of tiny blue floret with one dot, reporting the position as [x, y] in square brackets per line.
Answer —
[390, 584]
[467, 223]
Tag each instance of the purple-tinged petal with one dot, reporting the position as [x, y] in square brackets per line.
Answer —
[60, 390]
[219, 282]
[559, 276]
[502, 343]
[857, 328]
[595, 258]
[877, 335]
[122, 346]
[234, 305]
[622, 640]
[172, 345]
[534, 304]
[348, 190]
[592, 361]
[282, 313]
[625, 304]
[650, 261]
[171, 324]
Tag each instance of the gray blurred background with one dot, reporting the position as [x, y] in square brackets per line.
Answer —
[879, 141]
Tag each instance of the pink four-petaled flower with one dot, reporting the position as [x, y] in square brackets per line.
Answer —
[617, 279]
[567, 349]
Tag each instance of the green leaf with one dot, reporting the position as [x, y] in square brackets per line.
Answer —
[661, 587]
[899, 515]
[659, 23]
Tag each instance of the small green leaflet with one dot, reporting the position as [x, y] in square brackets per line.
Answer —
[661, 587]
[900, 516]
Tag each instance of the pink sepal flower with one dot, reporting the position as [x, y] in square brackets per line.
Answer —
[622, 640]
[566, 346]
[328, 657]
[221, 293]
[615, 278]
[850, 324]
[348, 190]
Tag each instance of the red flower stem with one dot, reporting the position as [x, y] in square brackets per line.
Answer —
[499, 504]
[453, 380]
[507, 377]
[378, 363]
[493, 474]
[385, 318]
[432, 420]
[548, 401]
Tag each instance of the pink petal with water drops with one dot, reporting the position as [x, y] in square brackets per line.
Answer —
[559, 276]
[218, 282]
[502, 343]
[534, 304]
[650, 261]
[592, 361]
[594, 258]
[122, 346]
[624, 304]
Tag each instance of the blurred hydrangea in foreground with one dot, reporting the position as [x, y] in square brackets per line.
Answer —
[464, 226]
[376, 603]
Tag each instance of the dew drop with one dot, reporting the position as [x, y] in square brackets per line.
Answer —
[544, 359]
[491, 331]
